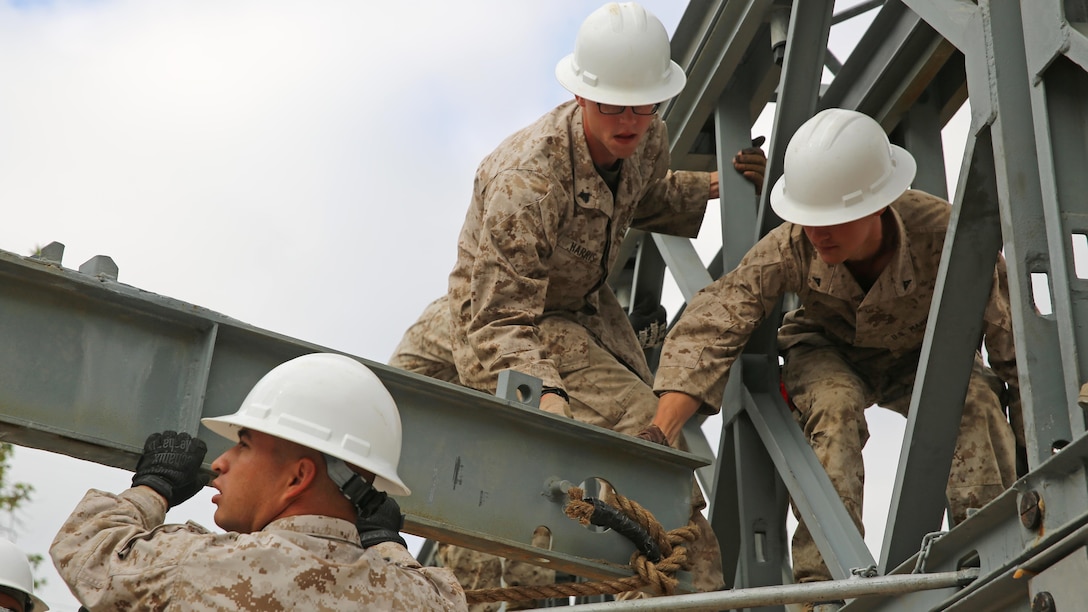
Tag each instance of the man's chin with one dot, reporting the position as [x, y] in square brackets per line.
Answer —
[223, 522]
[624, 148]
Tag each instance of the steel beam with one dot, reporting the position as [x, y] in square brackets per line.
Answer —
[762, 504]
[738, 219]
[1035, 241]
[1031, 527]
[891, 66]
[712, 40]
[687, 269]
[763, 598]
[1059, 85]
[92, 366]
[854, 11]
[798, 89]
[920, 133]
[964, 280]
[749, 521]
[839, 541]
[952, 19]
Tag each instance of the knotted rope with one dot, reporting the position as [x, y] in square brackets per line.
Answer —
[657, 577]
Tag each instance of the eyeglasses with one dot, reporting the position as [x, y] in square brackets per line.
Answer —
[641, 109]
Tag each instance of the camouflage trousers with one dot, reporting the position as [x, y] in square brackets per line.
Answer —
[425, 347]
[832, 387]
[603, 392]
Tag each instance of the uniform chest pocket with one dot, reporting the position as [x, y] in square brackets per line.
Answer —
[583, 236]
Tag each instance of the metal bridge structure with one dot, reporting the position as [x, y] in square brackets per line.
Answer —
[92, 365]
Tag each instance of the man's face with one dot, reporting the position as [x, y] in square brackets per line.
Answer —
[251, 475]
[612, 137]
[853, 241]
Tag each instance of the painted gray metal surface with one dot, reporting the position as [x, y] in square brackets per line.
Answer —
[712, 41]
[1063, 582]
[798, 89]
[92, 366]
[761, 507]
[839, 541]
[920, 133]
[891, 67]
[1033, 237]
[1056, 61]
[687, 269]
[997, 541]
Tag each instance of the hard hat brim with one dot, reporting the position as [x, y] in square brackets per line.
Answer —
[666, 90]
[795, 210]
[228, 427]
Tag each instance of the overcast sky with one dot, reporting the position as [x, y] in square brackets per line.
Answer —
[303, 167]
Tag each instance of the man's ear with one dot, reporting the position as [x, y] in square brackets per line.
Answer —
[303, 472]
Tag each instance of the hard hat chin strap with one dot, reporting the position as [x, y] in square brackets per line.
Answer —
[359, 492]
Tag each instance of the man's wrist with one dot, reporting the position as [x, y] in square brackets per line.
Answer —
[557, 391]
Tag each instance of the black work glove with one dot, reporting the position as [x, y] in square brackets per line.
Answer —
[171, 466]
[650, 327]
[383, 525]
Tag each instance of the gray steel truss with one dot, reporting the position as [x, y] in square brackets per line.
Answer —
[1021, 66]
[93, 365]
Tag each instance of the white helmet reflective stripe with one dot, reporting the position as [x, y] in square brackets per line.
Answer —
[15, 573]
[330, 403]
[840, 167]
[621, 56]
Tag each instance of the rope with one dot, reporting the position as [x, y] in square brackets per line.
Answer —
[656, 577]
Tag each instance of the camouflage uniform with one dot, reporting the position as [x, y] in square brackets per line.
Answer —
[846, 349]
[114, 553]
[528, 291]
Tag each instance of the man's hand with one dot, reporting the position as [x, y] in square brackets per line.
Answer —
[752, 163]
[171, 466]
[674, 408]
[383, 525]
[653, 434]
[650, 327]
[555, 404]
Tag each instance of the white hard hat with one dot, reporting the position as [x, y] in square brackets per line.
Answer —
[15, 573]
[840, 167]
[621, 56]
[330, 403]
